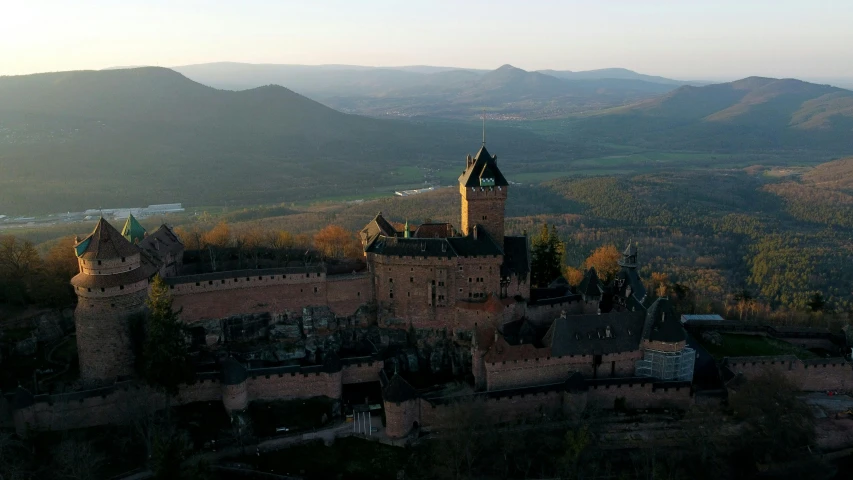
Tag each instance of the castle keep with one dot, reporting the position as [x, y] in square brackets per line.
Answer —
[464, 294]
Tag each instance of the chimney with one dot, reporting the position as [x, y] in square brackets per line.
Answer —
[563, 314]
[607, 333]
[475, 232]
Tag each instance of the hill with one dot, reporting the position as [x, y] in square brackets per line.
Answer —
[508, 92]
[746, 115]
[90, 139]
[620, 73]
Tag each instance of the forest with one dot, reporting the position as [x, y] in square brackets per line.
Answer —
[758, 240]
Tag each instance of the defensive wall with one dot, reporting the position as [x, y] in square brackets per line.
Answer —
[223, 294]
[552, 400]
[126, 400]
[808, 375]
[523, 372]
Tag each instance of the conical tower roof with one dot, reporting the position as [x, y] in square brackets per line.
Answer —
[103, 243]
[132, 230]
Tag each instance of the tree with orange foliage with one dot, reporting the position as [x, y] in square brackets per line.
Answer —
[605, 259]
[659, 283]
[574, 276]
[215, 241]
[334, 241]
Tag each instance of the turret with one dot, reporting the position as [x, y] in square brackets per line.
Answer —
[483, 189]
[629, 256]
[111, 288]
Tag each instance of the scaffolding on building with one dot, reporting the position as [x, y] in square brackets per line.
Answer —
[668, 366]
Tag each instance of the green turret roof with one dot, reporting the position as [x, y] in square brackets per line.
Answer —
[132, 230]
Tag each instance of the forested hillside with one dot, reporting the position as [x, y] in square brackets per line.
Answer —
[78, 140]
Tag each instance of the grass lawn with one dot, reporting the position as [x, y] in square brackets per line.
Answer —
[739, 345]
[347, 458]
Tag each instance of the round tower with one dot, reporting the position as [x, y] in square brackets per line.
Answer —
[111, 288]
[234, 390]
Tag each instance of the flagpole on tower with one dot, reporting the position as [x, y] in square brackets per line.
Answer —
[484, 127]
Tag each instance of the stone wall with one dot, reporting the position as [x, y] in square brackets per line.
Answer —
[361, 372]
[104, 341]
[425, 290]
[640, 394]
[288, 386]
[400, 417]
[808, 375]
[484, 206]
[213, 299]
[547, 370]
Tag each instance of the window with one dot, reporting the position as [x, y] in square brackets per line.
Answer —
[460, 290]
[484, 217]
[260, 278]
[408, 294]
[121, 287]
[390, 280]
[460, 268]
[440, 284]
[470, 294]
[357, 294]
[223, 280]
[197, 284]
[316, 289]
[391, 294]
[470, 279]
[102, 289]
[210, 282]
[441, 297]
[122, 259]
[411, 279]
[99, 262]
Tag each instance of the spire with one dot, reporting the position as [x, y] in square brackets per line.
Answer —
[484, 127]
[406, 229]
[629, 256]
[132, 231]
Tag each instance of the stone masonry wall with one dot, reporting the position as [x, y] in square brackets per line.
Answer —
[400, 417]
[367, 371]
[546, 370]
[809, 375]
[484, 206]
[240, 296]
[288, 386]
[103, 335]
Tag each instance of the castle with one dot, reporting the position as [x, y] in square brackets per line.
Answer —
[554, 348]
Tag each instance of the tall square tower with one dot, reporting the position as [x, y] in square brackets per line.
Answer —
[483, 189]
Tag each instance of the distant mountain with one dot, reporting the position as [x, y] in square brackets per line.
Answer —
[507, 92]
[620, 73]
[752, 113]
[89, 139]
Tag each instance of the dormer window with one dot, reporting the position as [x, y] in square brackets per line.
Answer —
[487, 182]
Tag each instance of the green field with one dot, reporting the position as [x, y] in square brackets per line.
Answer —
[739, 345]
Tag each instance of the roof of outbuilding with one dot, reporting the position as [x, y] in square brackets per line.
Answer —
[587, 334]
[105, 242]
[483, 165]
[399, 390]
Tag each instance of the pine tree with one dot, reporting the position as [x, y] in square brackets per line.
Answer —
[547, 252]
[165, 363]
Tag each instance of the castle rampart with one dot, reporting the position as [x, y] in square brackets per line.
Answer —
[807, 375]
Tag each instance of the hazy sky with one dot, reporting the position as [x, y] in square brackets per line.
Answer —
[689, 39]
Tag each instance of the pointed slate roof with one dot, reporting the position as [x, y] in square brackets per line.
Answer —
[483, 165]
[376, 227]
[661, 323]
[629, 256]
[104, 243]
[399, 390]
[590, 286]
[133, 231]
